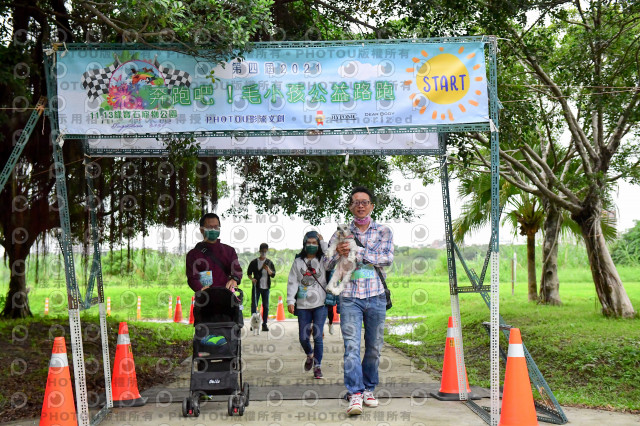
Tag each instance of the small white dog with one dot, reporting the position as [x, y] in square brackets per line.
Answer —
[255, 323]
[345, 265]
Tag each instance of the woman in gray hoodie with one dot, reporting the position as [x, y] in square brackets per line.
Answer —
[305, 298]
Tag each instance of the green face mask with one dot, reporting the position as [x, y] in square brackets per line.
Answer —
[311, 249]
[211, 234]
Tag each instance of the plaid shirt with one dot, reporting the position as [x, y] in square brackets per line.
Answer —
[377, 251]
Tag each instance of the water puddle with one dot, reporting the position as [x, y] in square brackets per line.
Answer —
[401, 329]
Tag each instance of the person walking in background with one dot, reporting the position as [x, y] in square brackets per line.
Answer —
[306, 296]
[363, 300]
[260, 271]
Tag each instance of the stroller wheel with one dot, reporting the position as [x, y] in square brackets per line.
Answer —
[245, 391]
[230, 407]
[241, 408]
[195, 405]
[186, 407]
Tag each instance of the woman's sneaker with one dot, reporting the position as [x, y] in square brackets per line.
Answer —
[317, 373]
[369, 400]
[355, 404]
[330, 328]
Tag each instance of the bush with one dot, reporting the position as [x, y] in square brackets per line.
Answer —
[626, 250]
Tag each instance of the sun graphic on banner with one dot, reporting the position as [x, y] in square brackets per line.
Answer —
[444, 80]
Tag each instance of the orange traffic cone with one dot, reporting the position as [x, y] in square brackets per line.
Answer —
[280, 310]
[193, 298]
[336, 315]
[449, 390]
[261, 310]
[108, 306]
[58, 407]
[170, 308]
[178, 316]
[124, 383]
[139, 310]
[46, 306]
[517, 398]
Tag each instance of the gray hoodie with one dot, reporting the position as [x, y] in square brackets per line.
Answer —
[306, 283]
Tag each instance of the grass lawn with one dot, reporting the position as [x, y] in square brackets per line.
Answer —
[587, 359]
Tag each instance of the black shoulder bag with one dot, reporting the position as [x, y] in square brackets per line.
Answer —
[227, 271]
[387, 292]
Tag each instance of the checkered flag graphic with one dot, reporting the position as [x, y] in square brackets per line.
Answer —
[96, 81]
[174, 77]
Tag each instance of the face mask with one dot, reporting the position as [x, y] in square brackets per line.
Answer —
[311, 249]
[212, 234]
[363, 221]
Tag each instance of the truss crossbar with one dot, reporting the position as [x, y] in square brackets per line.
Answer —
[22, 142]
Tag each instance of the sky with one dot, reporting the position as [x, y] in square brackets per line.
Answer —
[282, 232]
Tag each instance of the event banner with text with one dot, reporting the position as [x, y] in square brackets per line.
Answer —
[307, 88]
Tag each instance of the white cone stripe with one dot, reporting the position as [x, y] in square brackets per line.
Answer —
[515, 351]
[123, 339]
[450, 333]
[58, 360]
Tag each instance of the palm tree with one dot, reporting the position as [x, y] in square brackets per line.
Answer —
[527, 215]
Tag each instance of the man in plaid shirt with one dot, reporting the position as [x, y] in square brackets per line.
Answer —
[363, 301]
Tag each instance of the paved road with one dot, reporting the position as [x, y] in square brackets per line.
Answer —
[283, 393]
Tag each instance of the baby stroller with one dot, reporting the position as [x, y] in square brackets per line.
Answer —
[216, 363]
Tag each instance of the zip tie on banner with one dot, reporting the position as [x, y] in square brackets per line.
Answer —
[62, 55]
[60, 138]
[346, 159]
[492, 126]
[368, 131]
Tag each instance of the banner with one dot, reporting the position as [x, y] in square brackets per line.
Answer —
[310, 88]
[306, 144]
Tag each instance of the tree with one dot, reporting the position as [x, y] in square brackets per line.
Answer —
[578, 60]
[29, 27]
[314, 188]
[525, 215]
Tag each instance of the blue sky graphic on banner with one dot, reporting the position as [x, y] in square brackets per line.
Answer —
[125, 92]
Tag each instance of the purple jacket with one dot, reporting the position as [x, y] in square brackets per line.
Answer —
[198, 262]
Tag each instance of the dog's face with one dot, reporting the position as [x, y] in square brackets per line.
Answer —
[343, 230]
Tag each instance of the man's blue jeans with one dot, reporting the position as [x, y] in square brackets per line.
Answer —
[256, 294]
[311, 321]
[360, 376]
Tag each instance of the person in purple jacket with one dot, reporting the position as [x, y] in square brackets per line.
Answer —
[211, 263]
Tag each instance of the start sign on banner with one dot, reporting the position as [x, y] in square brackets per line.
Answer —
[309, 87]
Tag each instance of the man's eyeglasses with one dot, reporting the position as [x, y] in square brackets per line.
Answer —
[364, 203]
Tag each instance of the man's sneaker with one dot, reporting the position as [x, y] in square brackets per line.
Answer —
[330, 328]
[369, 400]
[264, 327]
[308, 363]
[355, 404]
[317, 373]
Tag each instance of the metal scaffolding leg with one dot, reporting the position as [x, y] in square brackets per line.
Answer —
[495, 227]
[96, 271]
[64, 238]
[453, 280]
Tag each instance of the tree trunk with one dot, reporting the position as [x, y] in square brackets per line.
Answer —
[611, 292]
[549, 282]
[17, 303]
[531, 267]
